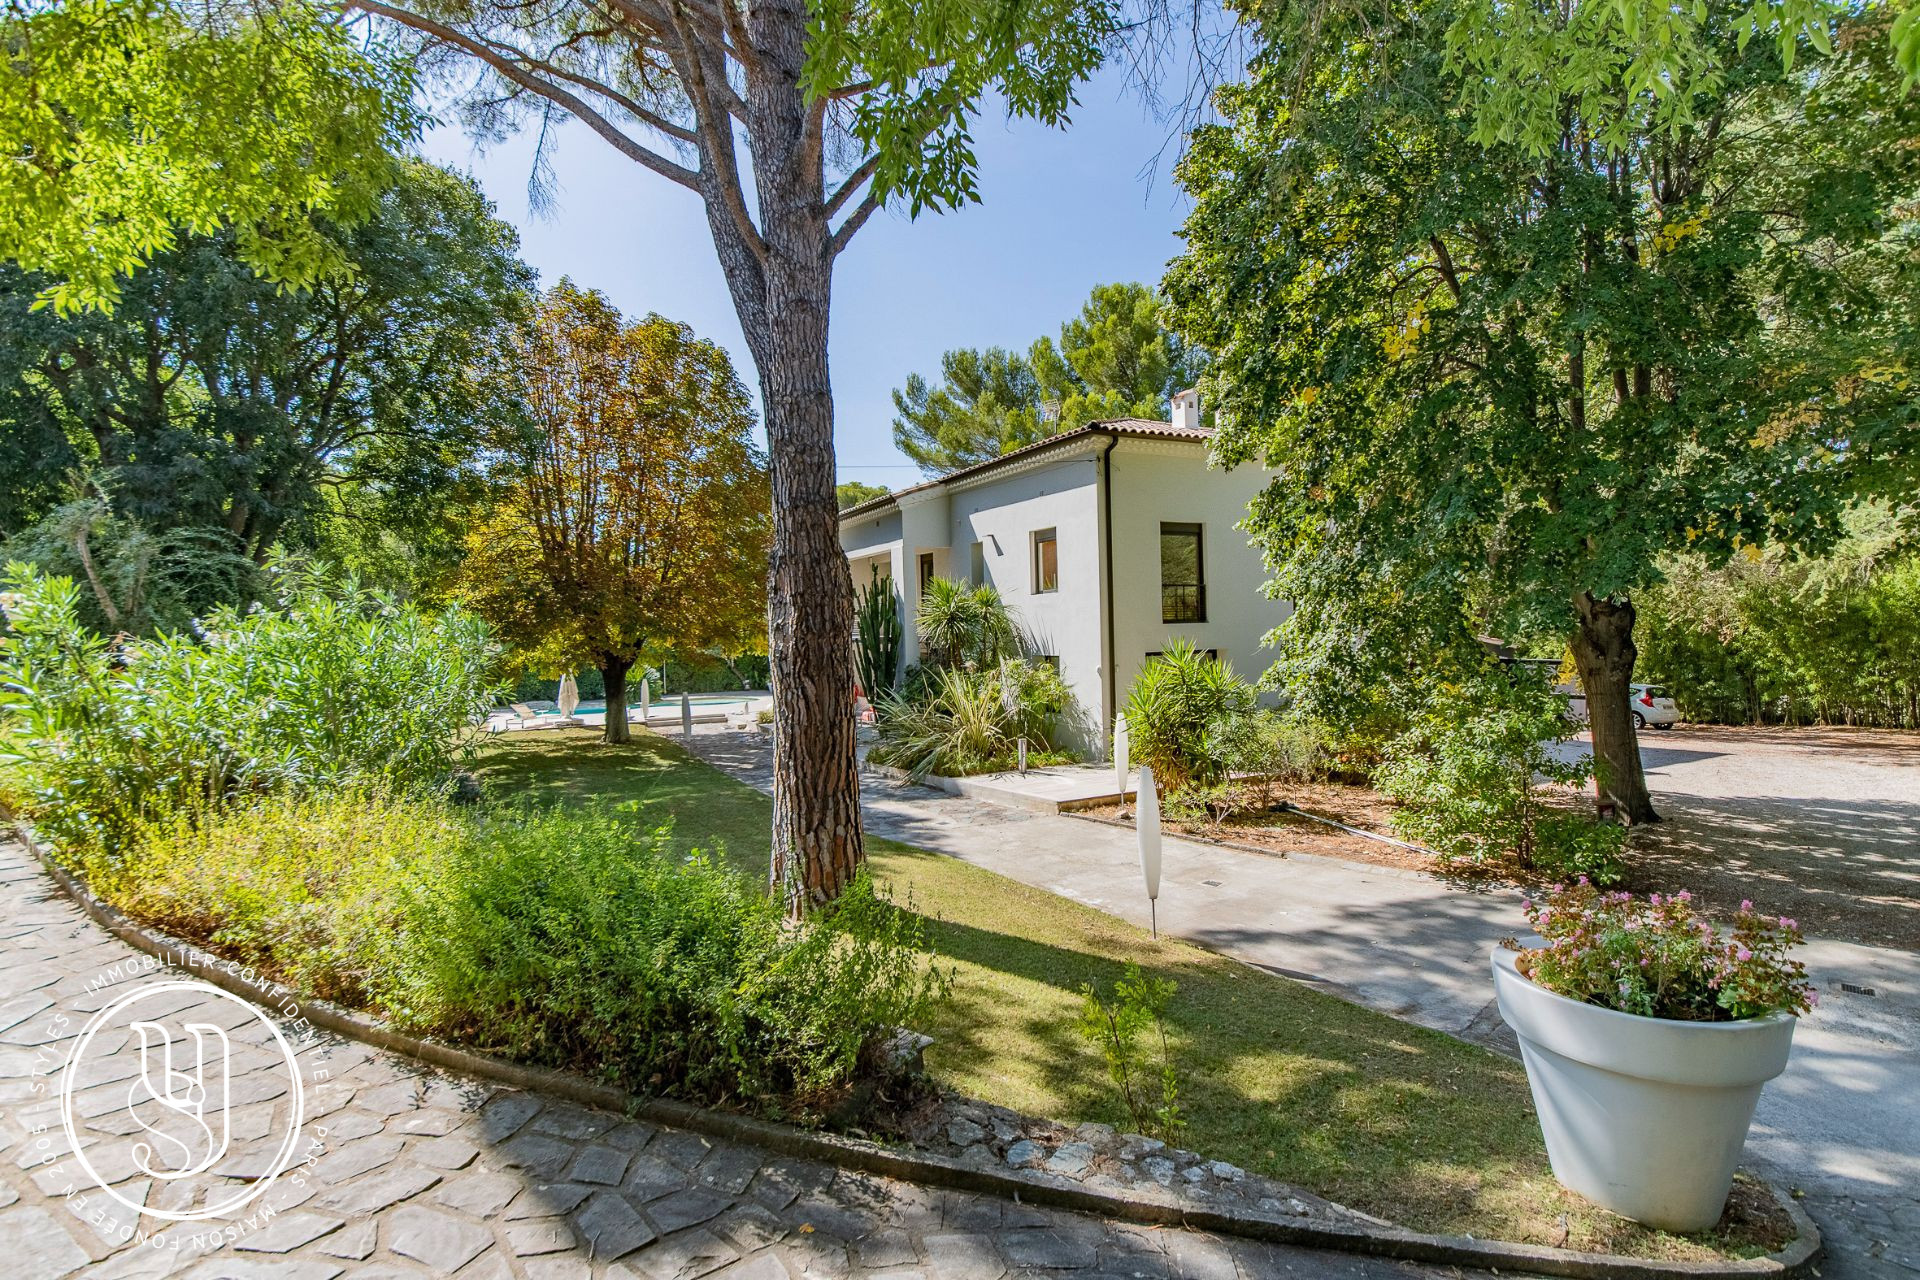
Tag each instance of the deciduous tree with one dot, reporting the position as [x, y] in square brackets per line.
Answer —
[792, 121]
[638, 526]
[211, 399]
[1502, 374]
[127, 123]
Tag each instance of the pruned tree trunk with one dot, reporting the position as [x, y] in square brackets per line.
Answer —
[1604, 651]
[613, 671]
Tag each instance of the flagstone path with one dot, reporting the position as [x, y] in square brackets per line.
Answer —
[427, 1173]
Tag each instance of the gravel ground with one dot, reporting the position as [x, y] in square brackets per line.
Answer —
[1822, 825]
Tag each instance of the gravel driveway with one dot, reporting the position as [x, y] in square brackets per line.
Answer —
[1822, 825]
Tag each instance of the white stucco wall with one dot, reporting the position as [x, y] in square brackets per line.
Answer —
[1002, 513]
[1155, 482]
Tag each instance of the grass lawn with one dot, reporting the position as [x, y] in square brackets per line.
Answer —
[1407, 1124]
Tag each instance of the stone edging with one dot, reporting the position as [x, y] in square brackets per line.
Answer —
[928, 1169]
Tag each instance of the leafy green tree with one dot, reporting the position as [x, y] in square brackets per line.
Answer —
[1113, 360]
[1500, 382]
[126, 123]
[636, 526]
[828, 110]
[212, 399]
[851, 493]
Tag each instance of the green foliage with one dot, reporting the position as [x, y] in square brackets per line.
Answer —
[1770, 638]
[1468, 773]
[961, 625]
[133, 581]
[851, 493]
[351, 412]
[876, 620]
[957, 721]
[930, 63]
[1493, 379]
[131, 120]
[1658, 958]
[555, 937]
[1190, 718]
[1114, 360]
[561, 940]
[330, 684]
[1137, 1012]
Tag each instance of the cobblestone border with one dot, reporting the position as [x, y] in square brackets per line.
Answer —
[933, 1170]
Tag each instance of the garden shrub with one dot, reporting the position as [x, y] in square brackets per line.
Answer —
[1118, 1026]
[1468, 775]
[559, 937]
[962, 625]
[1190, 718]
[954, 722]
[331, 683]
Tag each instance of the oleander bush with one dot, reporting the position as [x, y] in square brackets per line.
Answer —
[326, 684]
[1191, 719]
[559, 937]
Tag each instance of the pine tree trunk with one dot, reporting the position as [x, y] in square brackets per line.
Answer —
[1604, 651]
[817, 847]
[613, 671]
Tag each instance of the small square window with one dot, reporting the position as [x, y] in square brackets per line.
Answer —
[1046, 562]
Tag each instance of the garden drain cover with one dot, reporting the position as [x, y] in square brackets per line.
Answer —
[1211, 883]
[1858, 991]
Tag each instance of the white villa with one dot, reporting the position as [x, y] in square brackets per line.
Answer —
[1105, 541]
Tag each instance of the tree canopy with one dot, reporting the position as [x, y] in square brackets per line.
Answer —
[792, 121]
[1115, 359]
[211, 399]
[851, 493]
[128, 123]
[636, 528]
[1501, 381]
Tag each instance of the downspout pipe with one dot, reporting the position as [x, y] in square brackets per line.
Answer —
[1109, 672]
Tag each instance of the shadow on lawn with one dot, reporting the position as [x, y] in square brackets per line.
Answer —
[1400, 1121]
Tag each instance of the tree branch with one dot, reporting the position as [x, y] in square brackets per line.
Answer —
[855, 220]
[511, 68]
[726, 167]
[852, 184]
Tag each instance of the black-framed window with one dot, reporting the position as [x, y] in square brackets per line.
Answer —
[1183, 582]
[977, 564]
[1046, 561]
[926, 572]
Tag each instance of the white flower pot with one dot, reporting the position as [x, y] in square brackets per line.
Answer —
[1643, 1116]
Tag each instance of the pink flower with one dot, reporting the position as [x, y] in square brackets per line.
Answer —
[1684, 896]
[1785, 923]
[1743, 954]
[1746, 904]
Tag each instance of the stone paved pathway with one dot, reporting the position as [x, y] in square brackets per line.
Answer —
[425, 1173]
[1842, 1125]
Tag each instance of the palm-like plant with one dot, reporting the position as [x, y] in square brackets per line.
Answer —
[1185, 715]
[962, 625]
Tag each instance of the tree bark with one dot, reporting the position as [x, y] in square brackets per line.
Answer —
[1604, 651]
[817, 846]
[613, 671]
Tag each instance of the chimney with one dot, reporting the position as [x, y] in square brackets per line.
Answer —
[1186, 409]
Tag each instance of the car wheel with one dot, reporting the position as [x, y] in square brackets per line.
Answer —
[1639, 721]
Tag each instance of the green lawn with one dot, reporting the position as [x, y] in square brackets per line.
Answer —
[1408, 1124]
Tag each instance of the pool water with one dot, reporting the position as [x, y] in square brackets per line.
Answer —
[594, 706]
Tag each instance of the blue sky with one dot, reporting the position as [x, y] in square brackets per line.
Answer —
[1062, 211]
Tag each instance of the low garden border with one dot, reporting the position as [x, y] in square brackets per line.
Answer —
[926, 1168]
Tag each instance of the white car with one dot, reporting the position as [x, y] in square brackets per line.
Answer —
[1649, 703]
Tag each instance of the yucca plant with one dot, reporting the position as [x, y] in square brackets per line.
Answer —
[1187, 715]
[966, 722]
[961, 625]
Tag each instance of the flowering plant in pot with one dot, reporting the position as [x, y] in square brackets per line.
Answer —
[1647, 1033]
